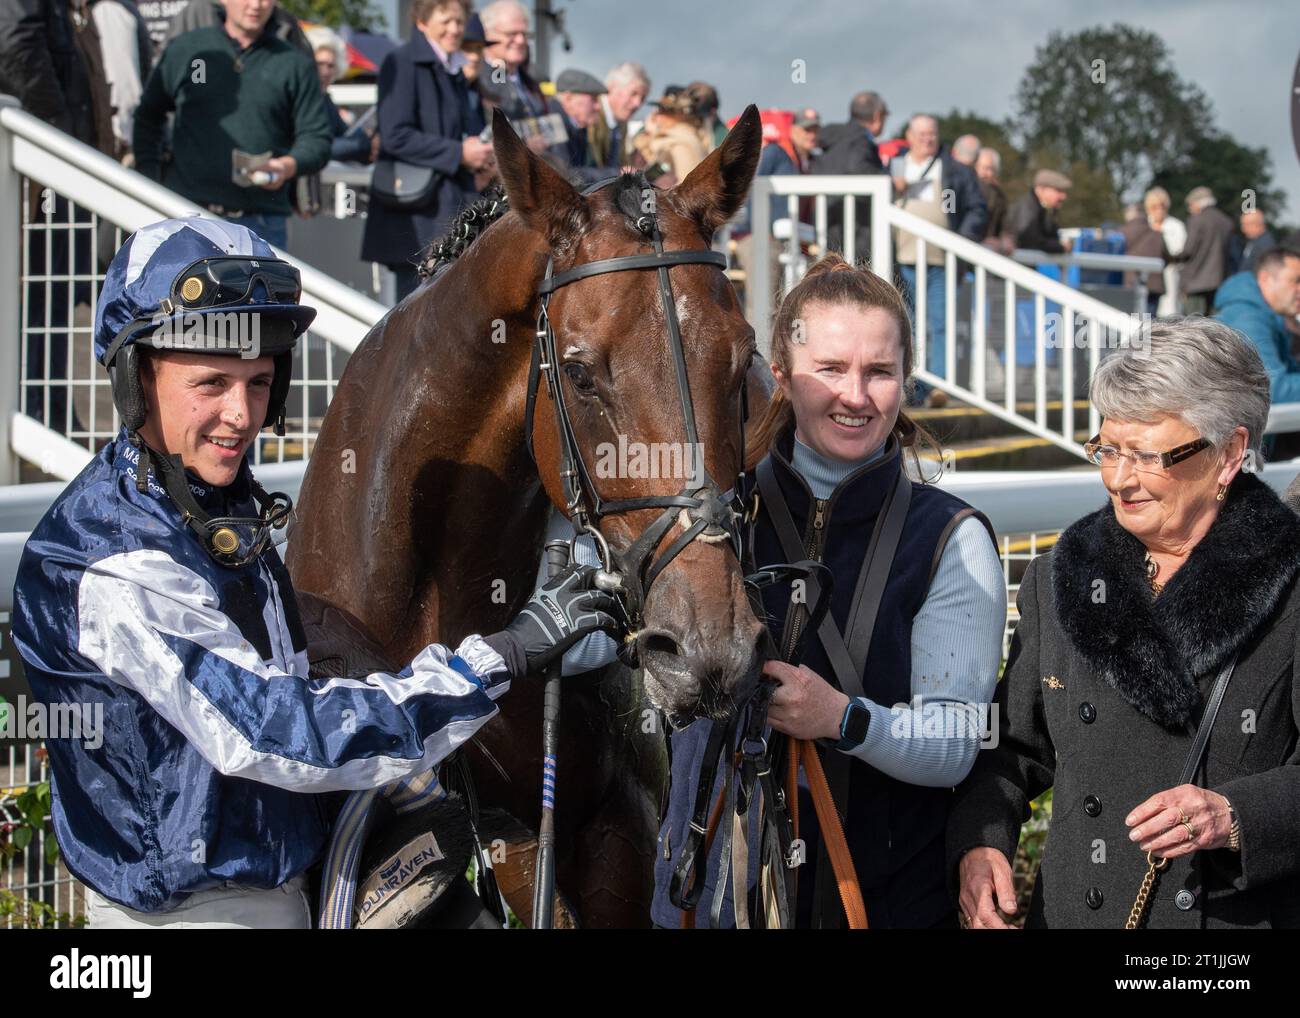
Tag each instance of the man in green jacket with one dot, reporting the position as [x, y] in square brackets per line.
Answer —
[235, 89]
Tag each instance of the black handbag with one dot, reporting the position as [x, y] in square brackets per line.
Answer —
[401, 186]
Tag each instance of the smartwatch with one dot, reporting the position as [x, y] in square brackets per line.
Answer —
[853, 726]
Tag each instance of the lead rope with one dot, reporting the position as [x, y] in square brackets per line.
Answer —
[688, 915]
[755, 762]
[828, 820]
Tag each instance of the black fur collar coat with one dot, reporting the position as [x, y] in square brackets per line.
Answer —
[1101, 695]
[1152, 651]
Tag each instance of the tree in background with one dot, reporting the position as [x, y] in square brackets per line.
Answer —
[1236, 173]
[358, 14]
[1110, 99]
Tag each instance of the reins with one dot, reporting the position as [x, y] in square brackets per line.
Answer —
[754, 763]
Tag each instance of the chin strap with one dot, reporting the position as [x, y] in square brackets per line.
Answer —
[218, 534]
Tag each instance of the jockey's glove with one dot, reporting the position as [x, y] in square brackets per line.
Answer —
[562, 611]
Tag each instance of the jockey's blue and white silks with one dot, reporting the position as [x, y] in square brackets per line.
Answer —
[215, 740]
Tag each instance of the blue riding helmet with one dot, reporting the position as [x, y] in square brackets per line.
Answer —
[203, 285]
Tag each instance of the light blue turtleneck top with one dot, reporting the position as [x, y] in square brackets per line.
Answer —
[822, 473]
[956, 647]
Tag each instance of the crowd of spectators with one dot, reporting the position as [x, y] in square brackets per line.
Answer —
[145, 82]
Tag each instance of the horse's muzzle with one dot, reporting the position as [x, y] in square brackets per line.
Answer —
[696, 677]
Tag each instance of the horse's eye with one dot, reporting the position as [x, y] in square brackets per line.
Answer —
[580, 377]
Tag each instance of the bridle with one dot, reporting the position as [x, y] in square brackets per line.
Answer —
[705, 510]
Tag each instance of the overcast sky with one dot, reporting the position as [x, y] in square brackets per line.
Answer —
[938, 54]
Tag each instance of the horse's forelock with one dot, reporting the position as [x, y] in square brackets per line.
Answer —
[628, 195]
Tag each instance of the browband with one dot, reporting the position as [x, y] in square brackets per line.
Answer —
[643, 261]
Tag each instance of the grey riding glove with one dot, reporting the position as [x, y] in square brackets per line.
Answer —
[564, 610]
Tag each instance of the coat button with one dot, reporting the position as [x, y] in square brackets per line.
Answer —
[1087, 713]
[1092, 805]
[1184, 900]
[1093, 898]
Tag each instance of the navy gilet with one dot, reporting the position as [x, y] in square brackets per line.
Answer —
[895, 830]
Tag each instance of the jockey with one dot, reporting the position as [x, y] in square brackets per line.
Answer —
[151, 601]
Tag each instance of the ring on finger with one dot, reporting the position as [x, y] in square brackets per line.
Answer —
[1191, 831]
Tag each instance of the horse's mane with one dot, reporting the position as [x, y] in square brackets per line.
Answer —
[626, 193]
[464, 230]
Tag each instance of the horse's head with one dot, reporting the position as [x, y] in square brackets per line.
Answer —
[622, 391]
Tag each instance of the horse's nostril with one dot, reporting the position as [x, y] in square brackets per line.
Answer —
[659, 642]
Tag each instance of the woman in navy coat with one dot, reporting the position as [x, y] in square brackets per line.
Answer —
[425, 119]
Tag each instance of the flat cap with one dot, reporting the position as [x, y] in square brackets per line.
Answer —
[573, 80]
[807, 117]
[1050, 178]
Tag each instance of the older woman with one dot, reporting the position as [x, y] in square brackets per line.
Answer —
[898, 714]
[1128, 629]
[425, 120]
[1174, 234]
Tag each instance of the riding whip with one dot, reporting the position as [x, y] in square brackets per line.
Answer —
[557, 557]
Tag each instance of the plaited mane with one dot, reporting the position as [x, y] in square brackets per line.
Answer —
[464, 230]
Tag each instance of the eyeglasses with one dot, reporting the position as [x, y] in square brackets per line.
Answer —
[1142, 460]
[222, 282]
[507, 36]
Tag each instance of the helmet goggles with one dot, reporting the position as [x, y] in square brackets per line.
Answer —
[230, 282]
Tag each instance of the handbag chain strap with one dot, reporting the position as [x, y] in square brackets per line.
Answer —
[1138, 912]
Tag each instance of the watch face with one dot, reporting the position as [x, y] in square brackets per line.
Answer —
[855, 724]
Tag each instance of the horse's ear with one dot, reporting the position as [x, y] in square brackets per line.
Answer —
[545, 200]
[714, 191]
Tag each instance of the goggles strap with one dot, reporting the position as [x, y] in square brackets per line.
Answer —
[274, 509]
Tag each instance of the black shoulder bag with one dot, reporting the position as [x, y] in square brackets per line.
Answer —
[403, 187]
[1140, 904]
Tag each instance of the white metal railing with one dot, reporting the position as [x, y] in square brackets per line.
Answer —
[64, 209]
[1098, 261]
[1016, 343]
[988, 281]
[1059, 497]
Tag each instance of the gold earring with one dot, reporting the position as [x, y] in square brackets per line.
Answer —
[1223, 491]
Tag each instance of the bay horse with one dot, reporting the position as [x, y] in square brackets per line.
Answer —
[422, 514]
